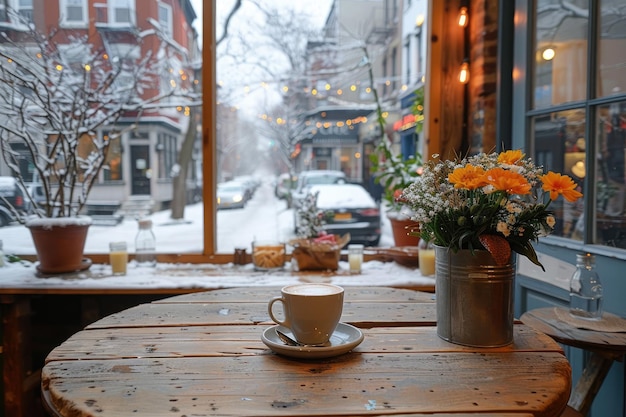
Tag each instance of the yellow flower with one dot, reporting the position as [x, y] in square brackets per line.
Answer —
[509, 181]
[469, 177]
[510, 157]
[557, 184]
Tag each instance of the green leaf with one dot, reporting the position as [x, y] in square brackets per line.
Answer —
[528, 250]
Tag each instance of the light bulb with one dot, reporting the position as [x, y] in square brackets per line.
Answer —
[463, 17]
[548, 54]
[464, 73]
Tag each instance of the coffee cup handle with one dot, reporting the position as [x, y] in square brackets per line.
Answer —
[286, 322]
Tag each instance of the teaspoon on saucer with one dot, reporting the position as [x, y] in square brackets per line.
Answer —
[291, 342]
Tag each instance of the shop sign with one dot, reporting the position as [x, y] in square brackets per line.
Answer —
[408, 121]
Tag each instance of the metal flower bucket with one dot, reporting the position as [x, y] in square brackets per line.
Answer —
[474, 298]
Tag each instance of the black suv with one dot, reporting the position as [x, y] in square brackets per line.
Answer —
[11, 196]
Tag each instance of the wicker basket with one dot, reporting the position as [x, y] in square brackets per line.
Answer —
[311, 256]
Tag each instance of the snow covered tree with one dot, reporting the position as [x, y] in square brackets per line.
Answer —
[57, 96]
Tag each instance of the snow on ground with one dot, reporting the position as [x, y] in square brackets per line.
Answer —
[264, 218]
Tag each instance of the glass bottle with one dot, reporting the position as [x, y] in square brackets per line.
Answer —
[145, 244]
[585, 296]
[1, 255]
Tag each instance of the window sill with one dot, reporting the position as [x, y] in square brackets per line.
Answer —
[22, 278]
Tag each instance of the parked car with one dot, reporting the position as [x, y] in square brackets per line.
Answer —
[306, 179]
[283, 186]
[231, 194]
[349, 208]
[250, 182]
[35, 189]
[11, 198]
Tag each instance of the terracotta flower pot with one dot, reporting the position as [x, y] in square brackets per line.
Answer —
[399, 228]
[60, 243]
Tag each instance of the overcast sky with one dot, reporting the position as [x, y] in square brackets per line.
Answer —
[319, 11]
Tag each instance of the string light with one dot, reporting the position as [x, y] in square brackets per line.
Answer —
[463, 17]
[548, 54]
[464, 73]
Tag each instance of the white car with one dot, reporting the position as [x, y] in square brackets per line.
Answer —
[349, 208]
[231, 195]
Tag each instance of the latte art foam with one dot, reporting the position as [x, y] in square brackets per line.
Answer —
[312, 289]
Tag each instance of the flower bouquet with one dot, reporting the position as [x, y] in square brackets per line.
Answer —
[314, 249]
[497, 201]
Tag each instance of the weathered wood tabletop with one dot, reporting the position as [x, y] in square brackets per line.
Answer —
[201, 354]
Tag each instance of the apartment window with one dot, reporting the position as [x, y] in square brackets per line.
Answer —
[578, 119]
[165, 18]
[113, 168]
[25, 9]
[166, 154]
[418, 54]
[407, 51]
[73, 12]
[122, 12]
[394, 69]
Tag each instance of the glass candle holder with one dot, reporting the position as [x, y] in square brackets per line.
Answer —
[355, 258]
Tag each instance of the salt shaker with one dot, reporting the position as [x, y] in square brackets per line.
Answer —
[585, 296]
[145, 244]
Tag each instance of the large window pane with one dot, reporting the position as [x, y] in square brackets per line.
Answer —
[560, 146]
[153, 165]
[297, 92]
[560, 71]
[612, 48]
[611, 184]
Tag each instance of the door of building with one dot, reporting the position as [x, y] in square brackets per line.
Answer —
[141, 171]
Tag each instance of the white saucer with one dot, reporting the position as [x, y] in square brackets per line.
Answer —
[344, 339]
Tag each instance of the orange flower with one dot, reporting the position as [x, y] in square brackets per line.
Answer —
[469, 177]
[510, 157]
[556, 184]
[509, 181]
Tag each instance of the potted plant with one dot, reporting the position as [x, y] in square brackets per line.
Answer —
[56, 100]
[394, 172]
[479, 212]
[314, 249]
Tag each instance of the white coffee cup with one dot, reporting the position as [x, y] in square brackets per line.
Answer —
[311, 311]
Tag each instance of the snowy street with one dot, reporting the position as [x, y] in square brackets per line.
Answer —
[265, 217]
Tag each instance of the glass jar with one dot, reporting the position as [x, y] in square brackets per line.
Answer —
[145, 244]
[585, 295]
[355, 257]
[268, 255]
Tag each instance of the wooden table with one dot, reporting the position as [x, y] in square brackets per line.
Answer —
[26, 300]
[605, 347]
[202, 354]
